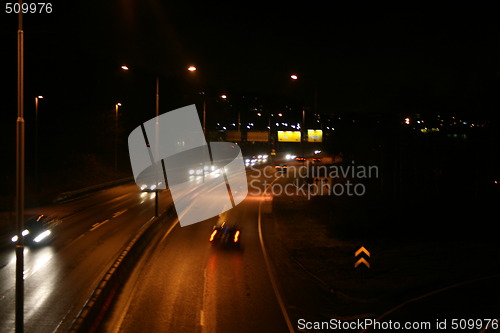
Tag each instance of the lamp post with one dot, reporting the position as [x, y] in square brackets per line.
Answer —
[157, 111]
[193, 69]
[36, 141]
[19, 294]
[117, 105]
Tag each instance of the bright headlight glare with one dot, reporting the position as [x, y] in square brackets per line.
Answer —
[24, 233]
[42, 236]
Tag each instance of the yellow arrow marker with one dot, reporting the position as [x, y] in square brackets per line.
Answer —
[362, 249]
[361, 261]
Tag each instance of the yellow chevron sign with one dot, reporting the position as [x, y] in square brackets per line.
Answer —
[362, 260]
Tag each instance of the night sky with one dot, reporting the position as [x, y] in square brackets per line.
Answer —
[362, 57]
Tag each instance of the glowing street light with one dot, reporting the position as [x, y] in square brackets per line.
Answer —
[36, 140]
[125, 68]
[116, 135]
[294, 77]
[192, 68]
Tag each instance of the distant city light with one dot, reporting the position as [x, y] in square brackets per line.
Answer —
[192, 68]
[294, 77]
[125, 68]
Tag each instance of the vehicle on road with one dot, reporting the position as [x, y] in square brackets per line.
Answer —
[281, 168]
[225, 235]
[38, 230]
[150, 188]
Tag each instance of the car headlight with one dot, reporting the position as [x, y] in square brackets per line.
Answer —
[42, 236]
[24, 233]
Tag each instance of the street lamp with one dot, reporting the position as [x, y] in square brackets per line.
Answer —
[36, 141]
[20, 173]
[157, 109]
[193, 69]
[117, 105]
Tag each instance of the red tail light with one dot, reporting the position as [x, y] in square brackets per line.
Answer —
[212, 235]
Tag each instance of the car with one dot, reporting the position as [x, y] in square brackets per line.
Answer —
[38, 230]
[300, 158]
[281, 168]
[225, 235]
[150, 188]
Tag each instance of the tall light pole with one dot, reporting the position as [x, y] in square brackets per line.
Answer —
[193, 69]
[36, 141]
[117, 105]
[20, 177]
[157, 112]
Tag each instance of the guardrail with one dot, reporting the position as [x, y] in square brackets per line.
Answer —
[70, 195]
[94, 310]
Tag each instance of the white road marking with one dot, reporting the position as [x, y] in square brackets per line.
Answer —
[274, 282]
[120, 212]
[97, 225]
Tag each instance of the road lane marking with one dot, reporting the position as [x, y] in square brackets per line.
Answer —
[208, 318]
[274, 283]
[120, 212]
[97, 225]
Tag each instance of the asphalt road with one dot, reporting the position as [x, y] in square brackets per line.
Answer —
[60, 276]
[185, 284]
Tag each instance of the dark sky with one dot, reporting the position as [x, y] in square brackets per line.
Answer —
[355, 55]
[361, 56]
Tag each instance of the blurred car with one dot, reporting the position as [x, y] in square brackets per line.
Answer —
[300, 158]
[150, 188]
[38, 230]
[225, 235]
[281, 168]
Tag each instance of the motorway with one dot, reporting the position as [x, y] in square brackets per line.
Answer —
[181, 284]
[185, 284]
[60, 276]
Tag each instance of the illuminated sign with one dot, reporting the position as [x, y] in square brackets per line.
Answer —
[289, 136]
[314, 135]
